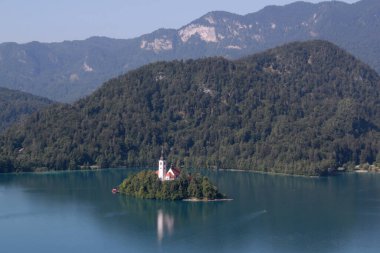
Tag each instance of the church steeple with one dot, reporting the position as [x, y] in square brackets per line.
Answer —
[162, 166]
[162, 153]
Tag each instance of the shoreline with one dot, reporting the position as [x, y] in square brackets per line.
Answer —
[41, 172]
[362, 171]
[268, 173]
[205, 200]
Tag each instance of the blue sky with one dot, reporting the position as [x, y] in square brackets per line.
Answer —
[57, 20]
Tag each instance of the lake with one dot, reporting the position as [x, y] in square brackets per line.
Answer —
[76, 212]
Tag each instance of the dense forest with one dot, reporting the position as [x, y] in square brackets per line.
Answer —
[146, 184]
[16, 104]
[298, 109]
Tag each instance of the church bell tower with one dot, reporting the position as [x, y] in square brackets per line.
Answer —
[162, 166]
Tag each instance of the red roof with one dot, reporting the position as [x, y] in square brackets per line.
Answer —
[173, 173]
[170, 175]
[176, 171]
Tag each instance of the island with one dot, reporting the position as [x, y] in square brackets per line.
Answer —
[173, 184]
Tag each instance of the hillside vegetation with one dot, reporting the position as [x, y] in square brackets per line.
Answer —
[297, 109]
[16, 104]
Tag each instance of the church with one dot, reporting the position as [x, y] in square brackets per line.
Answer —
[163, 174]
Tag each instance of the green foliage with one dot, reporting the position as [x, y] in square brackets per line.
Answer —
[5, 165]
[146, 185]
[14, 105]
[298, 109]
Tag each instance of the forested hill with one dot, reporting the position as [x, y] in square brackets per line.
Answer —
[298, 109]
[16, 104]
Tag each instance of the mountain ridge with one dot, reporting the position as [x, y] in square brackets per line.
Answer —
[72, 69]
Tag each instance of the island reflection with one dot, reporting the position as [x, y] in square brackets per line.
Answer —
[298, 212]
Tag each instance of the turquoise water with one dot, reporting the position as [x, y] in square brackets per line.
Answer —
[76, 212]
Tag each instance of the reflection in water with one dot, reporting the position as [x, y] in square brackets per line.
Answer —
[269, 214]
[165, 223]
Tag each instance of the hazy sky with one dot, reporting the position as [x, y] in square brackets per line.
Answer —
[57, 20]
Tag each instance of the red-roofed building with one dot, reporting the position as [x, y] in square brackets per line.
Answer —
[172, 174]
[163, 175]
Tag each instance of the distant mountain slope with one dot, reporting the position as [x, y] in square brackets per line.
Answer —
[298, 109]
[69, 70]
[15, 104]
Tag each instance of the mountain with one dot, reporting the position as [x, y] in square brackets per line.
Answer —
[72, 69]
[16, 105]
[298, 109]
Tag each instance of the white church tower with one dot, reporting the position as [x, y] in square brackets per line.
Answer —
[162, 166]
